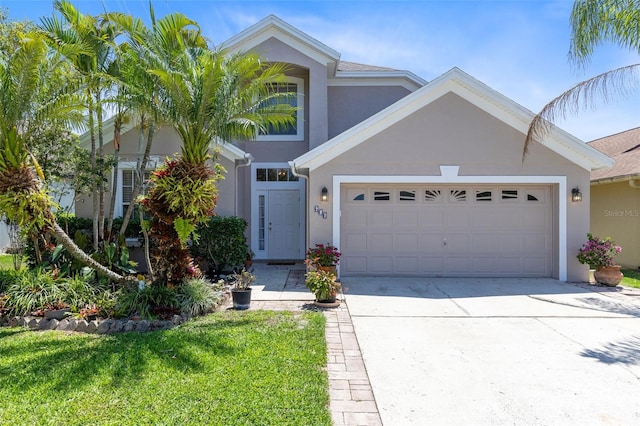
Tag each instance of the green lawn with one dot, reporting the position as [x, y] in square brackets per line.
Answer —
[229, 368]
[631, 278]
[6, 261]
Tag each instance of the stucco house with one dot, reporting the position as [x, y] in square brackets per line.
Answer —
[406, 177]
[615, 195]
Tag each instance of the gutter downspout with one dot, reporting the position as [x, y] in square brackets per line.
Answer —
[297, 173]
[248, 158]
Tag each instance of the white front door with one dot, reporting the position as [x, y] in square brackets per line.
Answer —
[284, 227]
[277, 213]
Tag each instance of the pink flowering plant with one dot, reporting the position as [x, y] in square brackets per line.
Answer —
[324, 255]
[598, 252]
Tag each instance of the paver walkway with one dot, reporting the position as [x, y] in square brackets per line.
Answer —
[351, 397]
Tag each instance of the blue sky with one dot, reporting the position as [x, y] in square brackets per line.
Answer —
[517, 47]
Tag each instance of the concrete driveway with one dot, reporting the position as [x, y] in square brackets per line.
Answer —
[497, 351]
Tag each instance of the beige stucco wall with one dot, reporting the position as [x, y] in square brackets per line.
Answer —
[452, 131]
[349, 105]
[165, 144]
[615, 213]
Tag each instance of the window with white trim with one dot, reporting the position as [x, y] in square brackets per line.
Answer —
[293, 132]
[127, 183]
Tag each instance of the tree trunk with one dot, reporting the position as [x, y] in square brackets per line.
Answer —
[77, 253]
[94, 184]
[102, 167]
[141, 169]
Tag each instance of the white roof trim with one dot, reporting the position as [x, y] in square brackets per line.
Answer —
[406, 79]
[470, 89]
[227, 150]
[272, 26]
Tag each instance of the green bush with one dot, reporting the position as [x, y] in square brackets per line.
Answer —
[197, 296]
[33, 290]
[221, 245]
[8, 277]
[151, 301]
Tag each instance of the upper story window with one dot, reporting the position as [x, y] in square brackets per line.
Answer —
[294, 132]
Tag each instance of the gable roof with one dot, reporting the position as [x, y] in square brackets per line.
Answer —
[338, 71]
[272, 26]
[624, 148]
[473, 91]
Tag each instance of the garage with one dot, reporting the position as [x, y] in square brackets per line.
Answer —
[447, 230]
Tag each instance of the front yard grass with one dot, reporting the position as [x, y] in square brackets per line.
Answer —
[631, 278]
[228, 368]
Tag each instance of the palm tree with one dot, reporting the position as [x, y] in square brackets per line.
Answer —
[162, 42]
[594, 22]
[207, 96]
[28, 98]
[87, 42]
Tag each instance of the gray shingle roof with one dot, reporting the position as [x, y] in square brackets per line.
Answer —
[356, 67]
[624, 148]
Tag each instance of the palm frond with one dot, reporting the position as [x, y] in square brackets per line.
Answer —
[603, 88]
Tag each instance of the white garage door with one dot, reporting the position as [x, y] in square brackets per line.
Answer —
[446, 230]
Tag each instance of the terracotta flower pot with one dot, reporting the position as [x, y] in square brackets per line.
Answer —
[331, 269]
[609, 275]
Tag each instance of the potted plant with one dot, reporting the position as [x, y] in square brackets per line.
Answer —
[324, 286]
[324, 257]
[598, 253]
[241, 292]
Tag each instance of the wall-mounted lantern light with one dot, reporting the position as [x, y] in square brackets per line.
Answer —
[576, 195]
[324, 194]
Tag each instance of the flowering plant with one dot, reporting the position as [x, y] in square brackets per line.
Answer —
[324, 255]
[598, 252]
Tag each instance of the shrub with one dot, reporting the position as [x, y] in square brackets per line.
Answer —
[147, 302]
[197, 296]
[33, 290]
[8, 277]
[221, 244]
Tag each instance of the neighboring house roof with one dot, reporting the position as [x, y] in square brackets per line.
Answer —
[338, 71]
[624, 148]
[475, 92]
[227, 150]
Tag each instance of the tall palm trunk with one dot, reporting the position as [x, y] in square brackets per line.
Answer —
[114, 186]
[140, 172]
[101, 163]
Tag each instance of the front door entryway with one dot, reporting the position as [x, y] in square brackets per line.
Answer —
[277, 218]
[283, 233]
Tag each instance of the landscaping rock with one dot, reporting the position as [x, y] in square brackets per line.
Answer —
[63, 325]
[13, 322]
[104, 326]
[116, 327]
[129, 326]
[52, 324]
[82, 326]
[56, 314]
[73, 324]
[155, 325]
[34, 323]
[92, 327]
[44, 324]
[24, 321]
[143, 325]
[177, 320]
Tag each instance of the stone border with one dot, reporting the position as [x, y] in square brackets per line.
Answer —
[98, 326]
[102, 325]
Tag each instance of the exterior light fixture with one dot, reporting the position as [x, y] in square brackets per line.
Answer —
[576, 195]
[324, 194]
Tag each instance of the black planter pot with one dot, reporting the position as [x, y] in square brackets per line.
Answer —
[241, 298]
